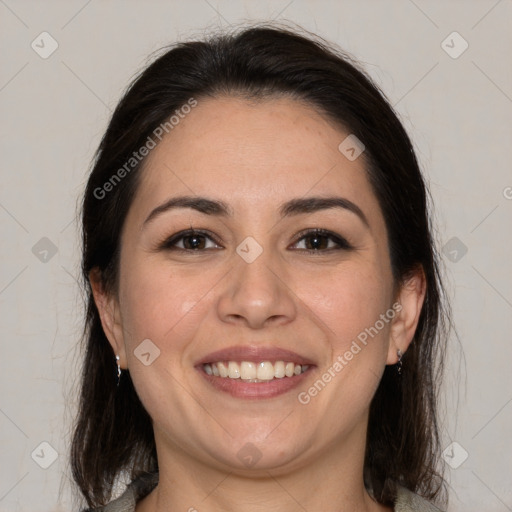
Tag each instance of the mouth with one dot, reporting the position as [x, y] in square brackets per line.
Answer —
[254, 372]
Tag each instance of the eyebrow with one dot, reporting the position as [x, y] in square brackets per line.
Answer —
[293, 207]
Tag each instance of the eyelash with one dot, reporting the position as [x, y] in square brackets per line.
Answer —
[342, 244]
[169, 243]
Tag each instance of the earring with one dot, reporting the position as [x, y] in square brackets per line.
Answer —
[399, 363]
[118, 370]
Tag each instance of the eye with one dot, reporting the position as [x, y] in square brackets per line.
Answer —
[190, 240]
[321, 240]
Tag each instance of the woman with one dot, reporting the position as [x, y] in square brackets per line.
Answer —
[265, 325]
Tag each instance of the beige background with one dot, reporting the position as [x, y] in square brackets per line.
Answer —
[53, 112]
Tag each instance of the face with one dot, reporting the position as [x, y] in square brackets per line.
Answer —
[270, 283]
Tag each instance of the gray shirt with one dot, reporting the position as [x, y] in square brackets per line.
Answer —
[406, 500]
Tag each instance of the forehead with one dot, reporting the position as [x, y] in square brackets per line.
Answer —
[248, 152]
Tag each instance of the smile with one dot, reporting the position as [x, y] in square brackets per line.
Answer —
[254, 371]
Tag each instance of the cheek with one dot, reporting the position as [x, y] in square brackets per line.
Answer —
[350, 303]
[166, 308]
[157, 304]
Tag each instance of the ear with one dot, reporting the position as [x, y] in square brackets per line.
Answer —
[108, 308]
[409, 304]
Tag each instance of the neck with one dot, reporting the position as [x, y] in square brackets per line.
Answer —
[333, 480]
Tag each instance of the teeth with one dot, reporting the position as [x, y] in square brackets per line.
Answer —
[248, 370]
[233, 370]
[279, 369]
[265, 371]
[254, 372]
[223, 370]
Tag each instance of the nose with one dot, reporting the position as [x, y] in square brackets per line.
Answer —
[257, 294]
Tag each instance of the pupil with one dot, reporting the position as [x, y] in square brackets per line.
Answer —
[194, 242]
[316, 241]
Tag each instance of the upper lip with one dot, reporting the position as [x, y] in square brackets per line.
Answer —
[256, 354]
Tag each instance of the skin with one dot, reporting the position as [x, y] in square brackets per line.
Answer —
[255, 156]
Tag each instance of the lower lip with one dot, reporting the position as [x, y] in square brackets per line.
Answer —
[251, 390]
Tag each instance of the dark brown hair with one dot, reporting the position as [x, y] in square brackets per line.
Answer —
[113, 434]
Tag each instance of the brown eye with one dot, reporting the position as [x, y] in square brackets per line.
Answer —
[190, 240]
[193, 242]
[319, 240]
[316, 242]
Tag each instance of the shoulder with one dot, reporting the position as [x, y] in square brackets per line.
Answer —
[134, 492]
[407, 501]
